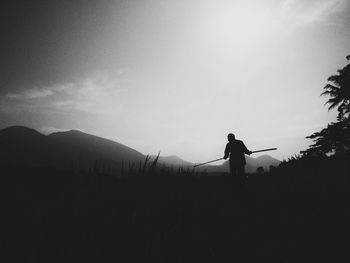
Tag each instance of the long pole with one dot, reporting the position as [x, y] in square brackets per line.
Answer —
[208, 162]
[270, 149]
[264, 150]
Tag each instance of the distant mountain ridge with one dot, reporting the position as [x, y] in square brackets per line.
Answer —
[264, 161]
[172, 160]
[21, 145]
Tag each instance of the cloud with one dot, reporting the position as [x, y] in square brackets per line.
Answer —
[95, 94]
[98, 94]
[30, 94]
[39, 93]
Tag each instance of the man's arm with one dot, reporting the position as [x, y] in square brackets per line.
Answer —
[227, 151]
[246, 150]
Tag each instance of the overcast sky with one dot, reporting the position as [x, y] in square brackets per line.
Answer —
[173, 76]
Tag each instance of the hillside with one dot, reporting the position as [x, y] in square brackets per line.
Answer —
[71, 149]
[172, 161]
[82, 151]
[264, 161]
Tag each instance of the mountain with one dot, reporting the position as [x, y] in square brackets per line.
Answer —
[172, 160]
[75, 149]
[22, 145]
[252, 164]
[89, 147]
[264, 161]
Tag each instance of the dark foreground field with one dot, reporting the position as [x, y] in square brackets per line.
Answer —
[56, 217]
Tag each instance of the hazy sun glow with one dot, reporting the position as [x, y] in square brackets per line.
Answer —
[235, 26]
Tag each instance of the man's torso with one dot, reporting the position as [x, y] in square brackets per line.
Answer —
[236, 149]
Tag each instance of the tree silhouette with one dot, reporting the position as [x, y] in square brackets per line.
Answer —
[339, 92]
[260, 170]
[335, 138]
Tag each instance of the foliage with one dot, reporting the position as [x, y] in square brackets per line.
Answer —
[260, 170]
[335, 138]
[339, 92]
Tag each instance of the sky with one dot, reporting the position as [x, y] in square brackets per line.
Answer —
[173, 76]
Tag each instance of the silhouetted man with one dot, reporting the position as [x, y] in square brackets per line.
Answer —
[236, 150]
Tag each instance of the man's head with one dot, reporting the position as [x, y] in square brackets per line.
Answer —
[231, 137]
